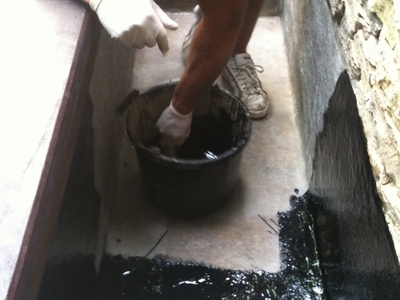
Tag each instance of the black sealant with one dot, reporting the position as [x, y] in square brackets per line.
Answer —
[162, 278]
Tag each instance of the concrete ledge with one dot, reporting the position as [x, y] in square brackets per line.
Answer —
[49, 58]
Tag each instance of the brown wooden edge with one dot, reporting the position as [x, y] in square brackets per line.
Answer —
[41, 225]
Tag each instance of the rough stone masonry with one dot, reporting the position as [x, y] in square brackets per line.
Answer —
[369, 33]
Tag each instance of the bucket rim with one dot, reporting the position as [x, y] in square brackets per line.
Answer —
[184, 162]
[181, 162]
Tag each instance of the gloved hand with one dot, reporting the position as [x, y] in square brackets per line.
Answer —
[174, 128]
[135, 23]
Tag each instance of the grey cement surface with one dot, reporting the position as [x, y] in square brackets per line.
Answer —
[35, 63]
[272, 167]
[315, 63]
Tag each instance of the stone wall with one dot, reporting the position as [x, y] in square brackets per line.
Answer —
[339, 124]
[369, 34]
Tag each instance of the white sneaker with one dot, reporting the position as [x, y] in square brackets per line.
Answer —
[188, 39]
[241, 74]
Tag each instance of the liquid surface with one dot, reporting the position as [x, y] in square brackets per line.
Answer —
[209, 137]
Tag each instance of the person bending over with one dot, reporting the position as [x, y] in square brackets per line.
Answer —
[215, 45]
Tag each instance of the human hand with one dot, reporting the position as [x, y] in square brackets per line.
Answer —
[135, 23]
[174, 128]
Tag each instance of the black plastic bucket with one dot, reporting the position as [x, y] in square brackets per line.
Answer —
[181, 186]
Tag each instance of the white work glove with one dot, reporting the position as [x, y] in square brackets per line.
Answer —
[135, 23]
[174, 128]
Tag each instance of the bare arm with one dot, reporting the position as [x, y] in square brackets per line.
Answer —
[212, 45]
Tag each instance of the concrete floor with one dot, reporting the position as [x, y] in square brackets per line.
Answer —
[272, 167]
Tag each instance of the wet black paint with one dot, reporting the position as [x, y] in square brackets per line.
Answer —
[209, 137]
[357, 255]
[161, 278]
[70, 278]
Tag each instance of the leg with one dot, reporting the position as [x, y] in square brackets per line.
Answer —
[250, 19]
[240, 71]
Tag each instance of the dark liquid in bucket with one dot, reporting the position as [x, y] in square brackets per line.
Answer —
[209, 137]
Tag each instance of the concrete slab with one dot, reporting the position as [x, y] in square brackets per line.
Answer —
[272, 167]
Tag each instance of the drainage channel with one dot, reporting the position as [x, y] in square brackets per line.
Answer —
[162, 278]
[278, 238]
[246, 240]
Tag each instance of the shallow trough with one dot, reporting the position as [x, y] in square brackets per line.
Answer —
[323, 237]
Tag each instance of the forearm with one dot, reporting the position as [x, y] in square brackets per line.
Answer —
[211, 47]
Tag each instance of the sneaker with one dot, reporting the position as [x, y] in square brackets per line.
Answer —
[188, 39]
[241, 74]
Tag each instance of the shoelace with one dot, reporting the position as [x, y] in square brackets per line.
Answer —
[249, 71]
